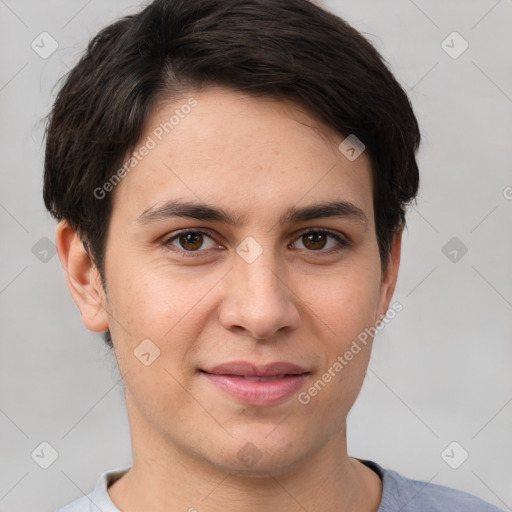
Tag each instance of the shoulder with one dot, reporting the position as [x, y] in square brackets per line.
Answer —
[80, 505]
[409, 495]
[97, 500]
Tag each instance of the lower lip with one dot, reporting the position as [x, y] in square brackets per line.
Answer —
[256, 392]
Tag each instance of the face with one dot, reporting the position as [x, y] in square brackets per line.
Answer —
[257, 274]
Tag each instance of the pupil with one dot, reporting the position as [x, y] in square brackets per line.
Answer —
[315, 239]
[190, 241]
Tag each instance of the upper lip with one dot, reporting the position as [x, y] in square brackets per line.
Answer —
[254, 370]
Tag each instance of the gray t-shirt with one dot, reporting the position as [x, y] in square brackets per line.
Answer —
[398, 494]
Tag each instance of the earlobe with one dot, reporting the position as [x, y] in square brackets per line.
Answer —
[82, 278]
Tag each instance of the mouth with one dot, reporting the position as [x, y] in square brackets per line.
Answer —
[257, 385]
[254, 378]
[248, 369]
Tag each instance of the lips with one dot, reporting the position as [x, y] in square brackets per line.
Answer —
[246, 369]
[257, 384]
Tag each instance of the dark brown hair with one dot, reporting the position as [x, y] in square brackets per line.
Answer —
[285, 49]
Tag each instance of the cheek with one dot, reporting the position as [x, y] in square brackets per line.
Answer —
[167, 306]
[346, 301]
[143, 297]
[343, 307]
[166, 310]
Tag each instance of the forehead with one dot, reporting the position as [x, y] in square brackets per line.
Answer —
[243, 153]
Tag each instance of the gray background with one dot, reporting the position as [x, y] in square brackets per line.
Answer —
[440, 371]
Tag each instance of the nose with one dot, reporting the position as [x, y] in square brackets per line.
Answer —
[258, 301]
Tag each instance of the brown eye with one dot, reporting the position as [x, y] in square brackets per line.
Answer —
[322, 241]
[190, 241]
[314, 241]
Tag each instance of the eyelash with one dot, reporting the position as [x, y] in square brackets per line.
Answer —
[167, 243]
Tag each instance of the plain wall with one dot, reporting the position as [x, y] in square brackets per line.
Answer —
[440, 371]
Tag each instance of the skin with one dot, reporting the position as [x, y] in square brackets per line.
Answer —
[297, 302]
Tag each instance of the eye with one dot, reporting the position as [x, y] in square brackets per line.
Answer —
[317, 240]
[190, 240]
[314, 240]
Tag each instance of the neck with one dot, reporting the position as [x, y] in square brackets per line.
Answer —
[167, 477]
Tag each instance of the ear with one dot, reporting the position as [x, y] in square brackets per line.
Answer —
[82, 278]
[390, 274]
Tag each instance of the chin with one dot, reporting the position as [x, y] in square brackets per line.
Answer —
[258, 455]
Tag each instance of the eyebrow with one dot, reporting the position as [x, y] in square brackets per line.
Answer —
[294, 214]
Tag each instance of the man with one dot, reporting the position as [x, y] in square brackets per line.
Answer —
[231, 179]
